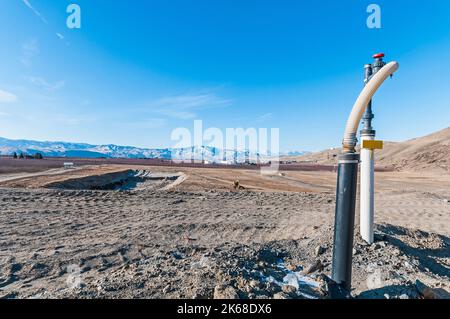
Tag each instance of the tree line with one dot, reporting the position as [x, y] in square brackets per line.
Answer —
[26, 156]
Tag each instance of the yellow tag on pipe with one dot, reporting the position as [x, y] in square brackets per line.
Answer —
[372, 145]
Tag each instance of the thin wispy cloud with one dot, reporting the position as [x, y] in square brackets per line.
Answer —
[185, 107]
[7, 97]
[41, 82]
[264, 117]
[30, 49]
[28, 4]
[36, 12]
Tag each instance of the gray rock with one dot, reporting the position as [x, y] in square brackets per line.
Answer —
[376, 246]
[313, 267]
[167, 289]
[225, 292]
[319, 250]
[281, 295]
[289, 289]
[254, 283]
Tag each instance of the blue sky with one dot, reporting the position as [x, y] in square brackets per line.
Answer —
[138, 69]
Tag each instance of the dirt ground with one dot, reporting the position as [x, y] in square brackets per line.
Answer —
[197, 237]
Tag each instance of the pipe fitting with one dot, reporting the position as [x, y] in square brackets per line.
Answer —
[350, 140]
[349, 143]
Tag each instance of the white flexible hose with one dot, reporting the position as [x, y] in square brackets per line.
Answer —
[361, 103]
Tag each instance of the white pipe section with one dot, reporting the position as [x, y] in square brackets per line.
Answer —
[367, 192]
[361, 103]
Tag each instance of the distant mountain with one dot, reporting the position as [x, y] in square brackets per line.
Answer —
[431, 152]
[64, 149]
[423, 153]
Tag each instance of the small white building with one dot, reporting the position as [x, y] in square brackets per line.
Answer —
[69, 165]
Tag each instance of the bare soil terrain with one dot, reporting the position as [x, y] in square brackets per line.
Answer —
[130, 231]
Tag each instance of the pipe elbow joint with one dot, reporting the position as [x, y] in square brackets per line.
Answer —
[350, 140]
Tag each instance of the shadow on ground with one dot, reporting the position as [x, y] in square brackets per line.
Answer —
[428, 247]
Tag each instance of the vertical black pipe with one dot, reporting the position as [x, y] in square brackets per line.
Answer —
[345, 219]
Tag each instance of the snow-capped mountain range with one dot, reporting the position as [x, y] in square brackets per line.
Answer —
[65, 149]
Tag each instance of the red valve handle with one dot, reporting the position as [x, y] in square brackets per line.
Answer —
[378, 56]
